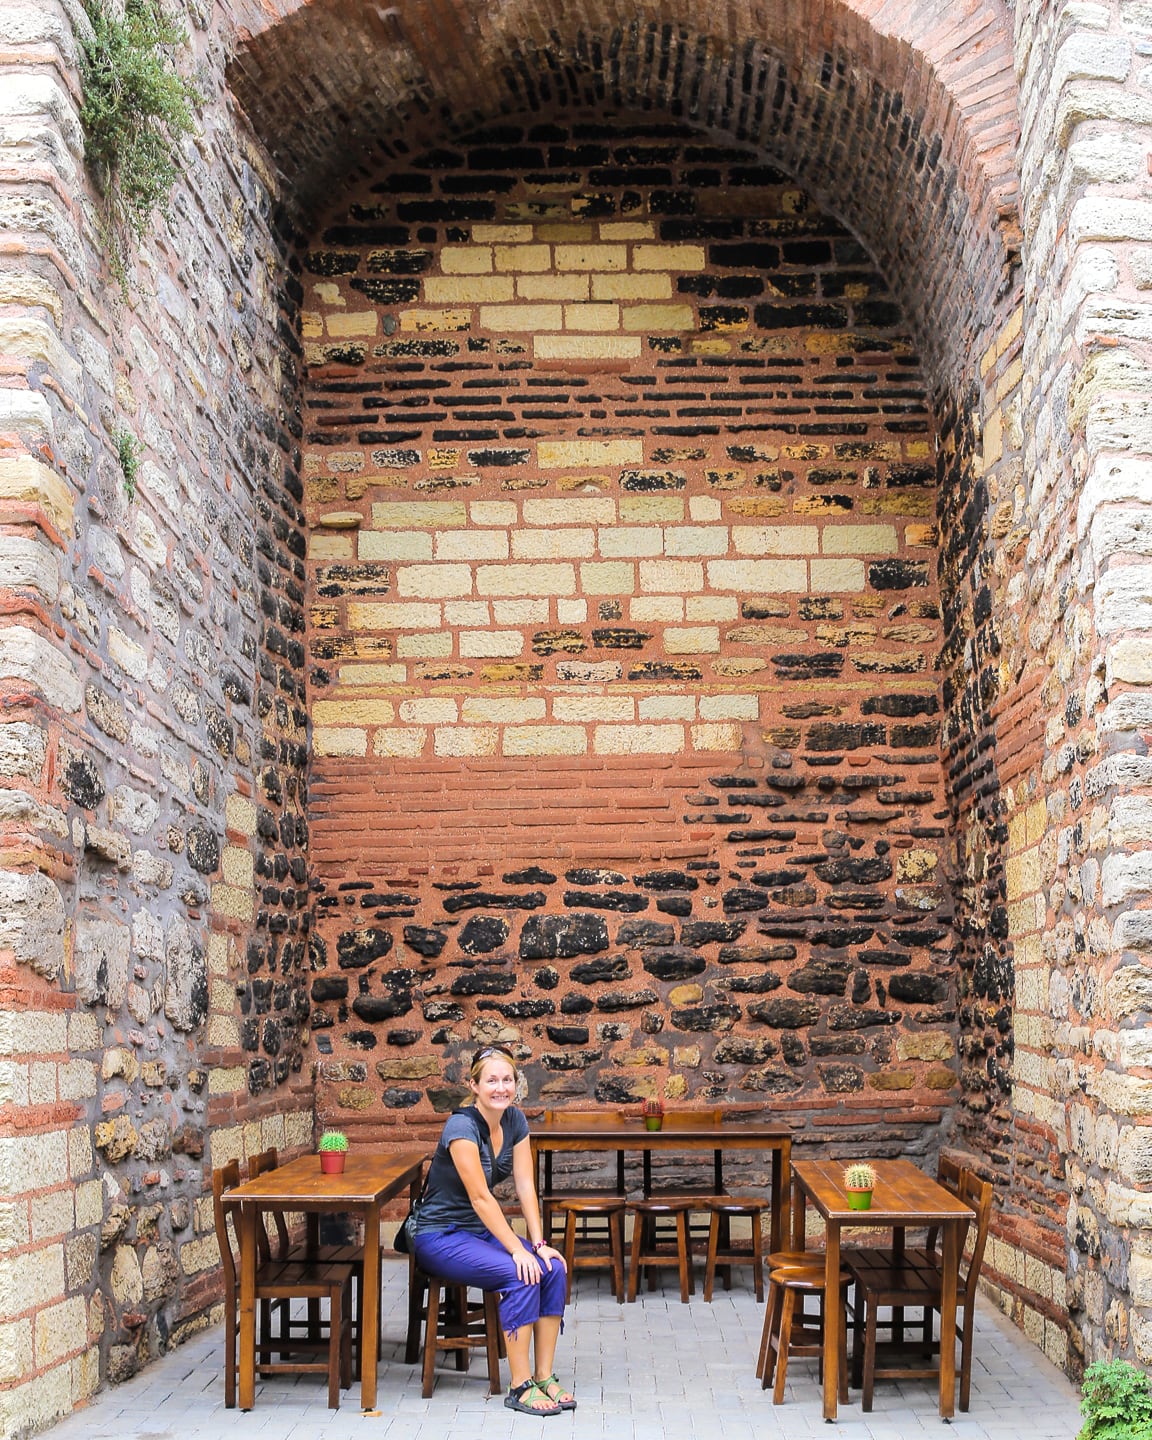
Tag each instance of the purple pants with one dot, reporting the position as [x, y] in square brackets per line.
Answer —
[464, 1258]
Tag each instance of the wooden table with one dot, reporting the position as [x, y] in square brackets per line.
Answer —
[632, 1135]
[904, 1196]
[368, 1182]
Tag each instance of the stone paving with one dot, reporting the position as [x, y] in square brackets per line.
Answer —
[641, 1372]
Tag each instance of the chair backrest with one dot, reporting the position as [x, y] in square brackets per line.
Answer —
[692, 1119]
[948, 1173]
[261, 1164]
[225, 1178]
[978, 1194]
[569, 1119]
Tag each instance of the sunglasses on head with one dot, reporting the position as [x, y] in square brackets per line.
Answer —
[492, 1050]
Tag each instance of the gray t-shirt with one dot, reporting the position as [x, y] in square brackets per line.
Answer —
[445, 1204]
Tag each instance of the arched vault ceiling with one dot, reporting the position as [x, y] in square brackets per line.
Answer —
[900, 117]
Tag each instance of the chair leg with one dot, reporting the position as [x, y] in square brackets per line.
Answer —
[758, 1259]
[616, 1245]
[346, 1340]
[335, 1306]
[843, 1358]
[764, 1363]
[682, 1253]
[710, 1263]
[869, 1356]
[569, 1251]
[965, 1354]
[492, 1340]
[858, 1310]
[416, 1292]
[637, 1245]
[431, 1329]
[783, 1342]
[230, 1353]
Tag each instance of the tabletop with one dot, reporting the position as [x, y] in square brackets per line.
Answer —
[367, 1177]
[903, 1192]
[634, 1136]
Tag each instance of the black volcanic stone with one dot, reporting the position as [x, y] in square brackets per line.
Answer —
[567, 1034]
[860, 872]
[785, 1014]
[742, 899]
[740, 1050]
[847, 1017]
[357, 948]
[754, 984]
[793, 1049]
[900, 706]
[666, 880]
[615, 1000]
[707, 932]
[533, 875]
[601, 972]
[482, 933]
[595, 877]
[755, 954]
[841, 1079]
[546, 978]
[622, 900]
[527, 1009]
[771, 1081]
[840, 936]
[851, 1044]
[673, 963]
[674, 905]
[575, 1005]
[397, 1099]
[616, 1092]
[770, 879]
[82, 784]
[570, 1059]
[637, 934]
[203, 849]
[707, 1018]
[402, 1037]
[861, 987]
[425, 942]
[917, 988]
[897, 574]
[487, 900]
[443, 1098]
[436, 1011]
[330, 987]
[480, 982]
[562, 937]
[374, 1008]
[820, 977]
[808, 667]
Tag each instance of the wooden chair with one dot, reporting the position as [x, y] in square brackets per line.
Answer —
[787, 1332]
[283, 1281]
[610, 1256]
[594, 1232]
[652, 1251]
[703, 1190]
[458, 1326]
[915, 1280]
[723, 1252]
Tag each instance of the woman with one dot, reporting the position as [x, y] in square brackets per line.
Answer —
[461, 1235]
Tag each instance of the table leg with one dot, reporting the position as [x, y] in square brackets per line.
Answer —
[953, 1234]
[369, 1340]
[799, 1218]
[832, 1319]
[247, 1306]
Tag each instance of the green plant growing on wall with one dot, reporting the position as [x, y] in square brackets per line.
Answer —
[1117, 1403]
[128, 452]
[136, 109]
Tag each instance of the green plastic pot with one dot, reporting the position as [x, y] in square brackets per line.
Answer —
[653, 1122]
[859, 1199]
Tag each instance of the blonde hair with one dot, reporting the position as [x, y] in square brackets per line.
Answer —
[481, 1058]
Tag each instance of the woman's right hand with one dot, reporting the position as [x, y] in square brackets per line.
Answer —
[527, 1266]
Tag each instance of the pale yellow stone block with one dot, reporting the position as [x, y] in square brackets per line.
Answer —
[592, 257]
[460, 741]
[471, 545]
[240, 814]
[394, 545]
[324, 545]
[572, 286]
[418, 514]
[233, 904]
[28, 482]
[631, 542]
[712, 607]
[587, 347]
[545, 740]
[575, 511]
[33, 1279]
[729, 707]
[352, 322]
[565, 232]
[571, 612]
[553, 544]
[466, 259]
[502, 711]
[776, 539]
[367, 615]
[486, 234]
[627, 230]
[659, 317]
[433, 582]
[399, 744]
[650, 509]
[197, 1256]
[423, 322]
[526, 318]
[52, 1215]
[656, 610]
[586, 708]
[493, 512]
[755, 577]
[1130, 661]
[520, 612]
[466, 612]
[692, 640]
[609, 577]
[432, 645]
[860, 540]
[372, 674]
[667, 257]
[705, 509]
[237, 865]
[60, 1329]
[440, 710]
[491, 644]
[527, 579]
[696, 540]
[829, 576]
[716, 737]
[638, 739]
[534, 258]
[353, 712]
[654, 286]
[15, 1352]
[663, 577]
[667, 707]
[592, 317]
[468, 289]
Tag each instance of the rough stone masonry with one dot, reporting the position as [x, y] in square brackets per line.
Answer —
[640, 551]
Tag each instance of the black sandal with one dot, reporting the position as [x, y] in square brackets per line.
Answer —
[514, 1399]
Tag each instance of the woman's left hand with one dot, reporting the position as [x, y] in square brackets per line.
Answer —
[546, 1254]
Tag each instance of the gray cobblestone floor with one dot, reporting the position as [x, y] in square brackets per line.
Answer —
[645, 1371]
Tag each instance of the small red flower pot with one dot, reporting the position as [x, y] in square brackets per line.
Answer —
[332, 1161]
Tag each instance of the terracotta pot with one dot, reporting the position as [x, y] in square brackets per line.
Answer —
[332, 1161]
[859, 1199]
[653, 1122]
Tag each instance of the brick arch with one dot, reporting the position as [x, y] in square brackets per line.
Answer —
[900, 119]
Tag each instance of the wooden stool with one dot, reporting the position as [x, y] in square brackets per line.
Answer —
[594, 1253]
[721, 1249]
[780, 1321]
[461, 1328]
[647, 1249]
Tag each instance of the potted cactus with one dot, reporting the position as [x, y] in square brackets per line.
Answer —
[333, 1148]
[859, 1181]
[653, 1113]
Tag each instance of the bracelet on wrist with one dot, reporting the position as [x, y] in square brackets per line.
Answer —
[538, 1245]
